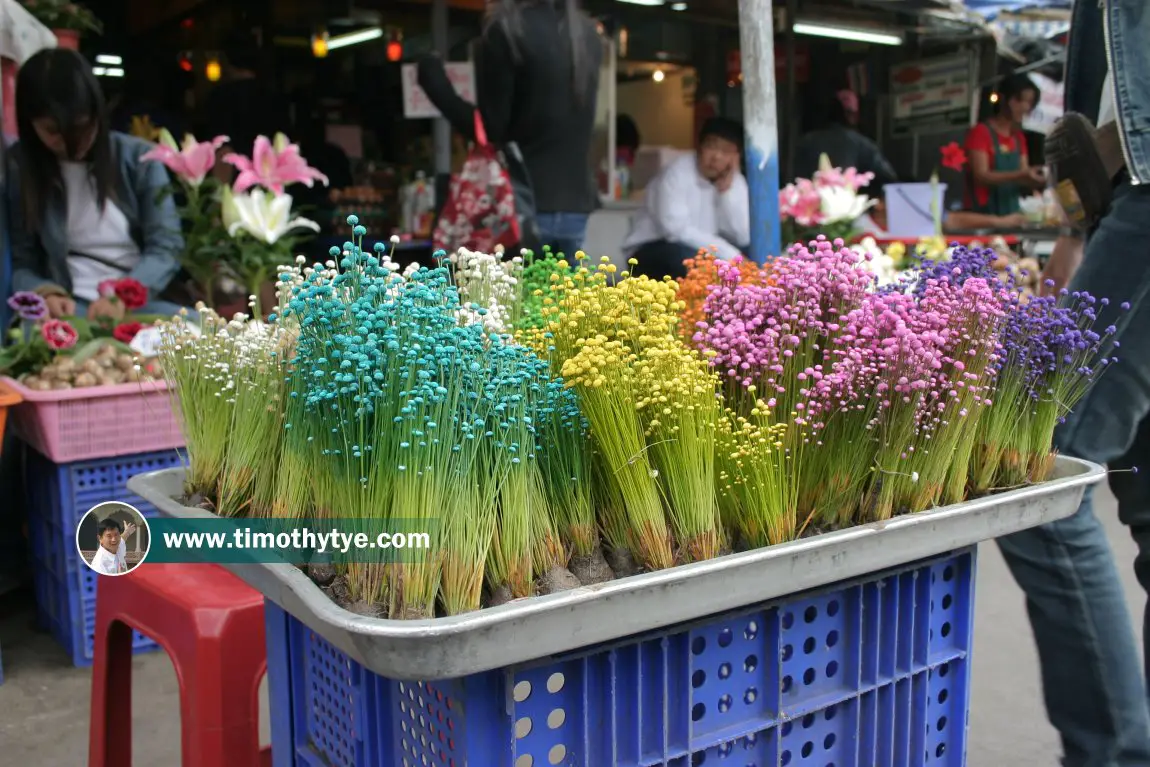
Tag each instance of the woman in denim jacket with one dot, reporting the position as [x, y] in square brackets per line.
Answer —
[84, 208]
[1096, 694]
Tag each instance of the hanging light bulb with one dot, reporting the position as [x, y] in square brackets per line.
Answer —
[395, 46]
[319, 44]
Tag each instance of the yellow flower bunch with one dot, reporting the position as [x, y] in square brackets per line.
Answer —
[758, 493]
[678, 405]
[601, 373]
[585, 303]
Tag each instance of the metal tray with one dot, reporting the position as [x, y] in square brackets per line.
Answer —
[529, 629]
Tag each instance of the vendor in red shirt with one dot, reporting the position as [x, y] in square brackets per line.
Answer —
[999, 171]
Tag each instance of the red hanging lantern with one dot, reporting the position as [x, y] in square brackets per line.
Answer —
[395, 47]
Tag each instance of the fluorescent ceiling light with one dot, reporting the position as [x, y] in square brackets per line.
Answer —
[105, 58]
[642, 2]
[847, 33]
[109, 72]
[354, 38]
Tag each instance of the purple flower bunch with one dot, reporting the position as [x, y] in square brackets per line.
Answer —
[1051, 354]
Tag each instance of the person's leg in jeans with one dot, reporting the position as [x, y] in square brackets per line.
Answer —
[564, 232]
[662, 258]
[1092, 680]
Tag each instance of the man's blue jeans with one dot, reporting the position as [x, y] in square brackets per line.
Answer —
[564, 232]
[1096, 694]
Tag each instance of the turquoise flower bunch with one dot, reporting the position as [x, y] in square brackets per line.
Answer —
[416, 417]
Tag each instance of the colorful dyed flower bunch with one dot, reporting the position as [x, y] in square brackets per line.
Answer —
[652, 406]
[534, 282]
[702, 274]
[809, 397]
[769, 344]
[1049, 356]
[487, 281]
[446, 414]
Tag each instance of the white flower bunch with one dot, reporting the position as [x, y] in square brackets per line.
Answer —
[486, 280]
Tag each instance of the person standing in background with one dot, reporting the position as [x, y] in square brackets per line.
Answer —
[1000, 171]
[1092, 678]
[836, 136]
[537, 75]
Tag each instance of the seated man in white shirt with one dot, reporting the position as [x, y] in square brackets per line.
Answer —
[698, 201]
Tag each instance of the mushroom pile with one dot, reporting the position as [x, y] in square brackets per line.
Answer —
[106, 367]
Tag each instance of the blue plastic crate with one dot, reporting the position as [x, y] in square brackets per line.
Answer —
[870, 673]
[58, 497]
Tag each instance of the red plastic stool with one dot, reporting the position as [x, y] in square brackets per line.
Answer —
[212, 626]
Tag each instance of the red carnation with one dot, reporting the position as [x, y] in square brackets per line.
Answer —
[126, 331]
[132, 293]
[953, 157]
[59, 334]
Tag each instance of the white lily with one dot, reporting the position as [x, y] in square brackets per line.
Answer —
[842, 204]
[261, 214]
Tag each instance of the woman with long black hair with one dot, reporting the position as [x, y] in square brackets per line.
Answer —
[84, 207]
[537, 74]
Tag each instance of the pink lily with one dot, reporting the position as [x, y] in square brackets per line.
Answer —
[273, 166]
[191, 162]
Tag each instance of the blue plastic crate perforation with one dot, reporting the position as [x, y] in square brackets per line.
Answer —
[427, 722]
[950, 609]
[820, 649]
[733, 678]
[825, 738]
[847, 676]
[59, 496]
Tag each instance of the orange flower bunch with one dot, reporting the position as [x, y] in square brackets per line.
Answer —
[696, 286]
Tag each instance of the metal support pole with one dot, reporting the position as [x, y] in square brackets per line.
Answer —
[792, 94]
[613, 113]
[756, 34]
[441, 129]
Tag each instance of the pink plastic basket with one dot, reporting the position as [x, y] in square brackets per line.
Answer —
[96, 422]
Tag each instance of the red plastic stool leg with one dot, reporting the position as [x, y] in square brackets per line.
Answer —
[110, 733]
[220, 716]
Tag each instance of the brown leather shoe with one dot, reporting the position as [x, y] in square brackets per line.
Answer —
[1082, 163]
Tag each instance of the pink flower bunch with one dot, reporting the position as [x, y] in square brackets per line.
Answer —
[811, 202]
[849, 178]
[801, 201]
[191, 162]
[274, 165]
[773, 337]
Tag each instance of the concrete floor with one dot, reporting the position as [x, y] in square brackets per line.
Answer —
[44, 702]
